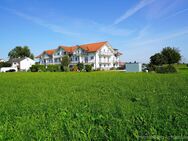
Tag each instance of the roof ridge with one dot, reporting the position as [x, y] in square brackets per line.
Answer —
[95, 43]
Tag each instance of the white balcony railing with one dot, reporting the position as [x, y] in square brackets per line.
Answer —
[105, 54]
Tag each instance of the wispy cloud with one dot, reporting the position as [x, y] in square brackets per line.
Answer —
[178, 13]
[79, 26]
[39, 21]
[133, 10]
[144, 41]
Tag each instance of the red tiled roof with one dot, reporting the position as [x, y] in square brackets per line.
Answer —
[93, 47]
[69, 49]
[49, 52]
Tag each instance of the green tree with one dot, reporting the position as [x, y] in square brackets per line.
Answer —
[20, 51]
[172, 55]
[157, 59]
[65, 63]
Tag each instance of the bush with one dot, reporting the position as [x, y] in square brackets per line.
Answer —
[37, 68]
[80, 66]
[5, 64]
[66, 69]
[166, 69]
[151, 67]
[53, 68]
[88, 68]
[187, 65]
[75, 68]
[34, 68]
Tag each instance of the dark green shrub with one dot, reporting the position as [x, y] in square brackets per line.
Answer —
[166, 69]
[88, 68]
[53, 68]
[34, 68]
[5, 64]
[37, 68]
[151, 67]
[187, 65]
[80, 66]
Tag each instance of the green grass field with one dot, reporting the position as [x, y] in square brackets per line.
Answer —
[93, 106]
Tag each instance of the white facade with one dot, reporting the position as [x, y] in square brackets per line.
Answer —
[26, 64]
[103, 58]
[23, 64]
[133, 67]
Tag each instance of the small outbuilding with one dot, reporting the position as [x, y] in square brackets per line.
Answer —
[23, 64]
[134, 67]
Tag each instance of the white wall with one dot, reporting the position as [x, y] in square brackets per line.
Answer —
[26, 64]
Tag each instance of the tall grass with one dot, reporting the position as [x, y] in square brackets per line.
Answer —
[93, 106]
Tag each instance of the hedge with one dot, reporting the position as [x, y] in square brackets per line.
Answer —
[166, 69]
[53, 68]
[37, 68]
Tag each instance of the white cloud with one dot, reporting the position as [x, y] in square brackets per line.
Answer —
[178, 13]
[144, 41]
[133, 10]
[38, 21]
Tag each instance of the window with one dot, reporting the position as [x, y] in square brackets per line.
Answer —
[92, 57]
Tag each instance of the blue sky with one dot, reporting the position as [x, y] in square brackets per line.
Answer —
[138, 28]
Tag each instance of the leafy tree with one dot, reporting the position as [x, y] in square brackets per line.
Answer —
[80, 66]
[172, 55]
[65, 62]
[157, 59]
[20, 51]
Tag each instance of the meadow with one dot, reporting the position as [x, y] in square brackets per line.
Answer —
[93, 106]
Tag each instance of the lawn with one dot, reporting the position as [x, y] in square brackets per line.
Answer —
[93, 106]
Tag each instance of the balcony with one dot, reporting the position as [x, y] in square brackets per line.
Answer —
[105, 54]
[104, 62]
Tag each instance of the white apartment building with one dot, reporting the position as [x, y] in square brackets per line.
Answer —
[100, 55]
